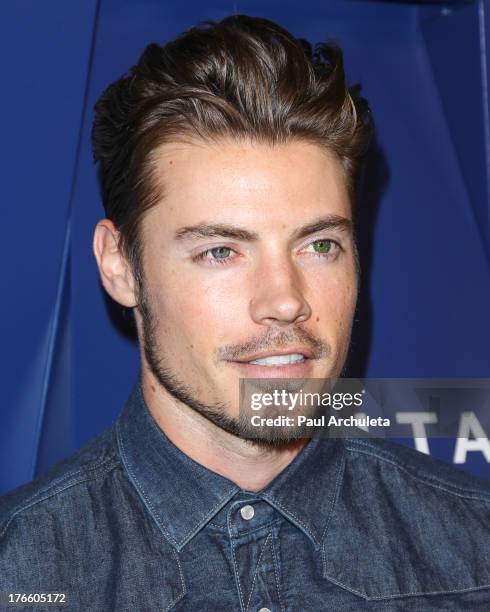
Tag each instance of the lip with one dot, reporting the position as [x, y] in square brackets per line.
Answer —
[290, 350]
[291, 370]
[300, 369]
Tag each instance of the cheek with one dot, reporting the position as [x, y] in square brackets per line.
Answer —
[333, 310]
[200, 313]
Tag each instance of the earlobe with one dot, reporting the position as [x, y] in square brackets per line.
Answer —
[115, 271]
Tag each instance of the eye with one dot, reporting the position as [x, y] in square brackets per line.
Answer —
[220, 252]
[324, 247]
[216, 255]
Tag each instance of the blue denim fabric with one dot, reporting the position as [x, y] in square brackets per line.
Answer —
[130, 523]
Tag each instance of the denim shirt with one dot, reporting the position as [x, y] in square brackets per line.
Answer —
[130, 523]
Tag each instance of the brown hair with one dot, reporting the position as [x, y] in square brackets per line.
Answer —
[242, 77]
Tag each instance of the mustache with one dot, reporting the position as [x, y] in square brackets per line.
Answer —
[271, 340]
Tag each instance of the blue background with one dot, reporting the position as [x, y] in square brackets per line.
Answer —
[425, 240]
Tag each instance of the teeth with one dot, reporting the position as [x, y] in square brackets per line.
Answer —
[275, 360]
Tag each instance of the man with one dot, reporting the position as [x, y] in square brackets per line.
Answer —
[229, 161]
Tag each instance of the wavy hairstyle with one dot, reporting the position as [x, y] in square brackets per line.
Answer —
[242, 77]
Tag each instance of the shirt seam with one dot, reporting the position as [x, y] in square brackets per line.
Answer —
[277, 572]
[257, 568]
[284, 510]
[340, 476]
[220, 527]
[182, 582]
[205, 519]
[266, 527]
[404, 595]
[48, 492]
[235, 567]
[430, 481]
[140, 489]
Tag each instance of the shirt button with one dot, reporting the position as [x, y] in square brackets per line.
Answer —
[247, 513]
[264, 610]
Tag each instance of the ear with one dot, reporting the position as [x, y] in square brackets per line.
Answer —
[115, 271]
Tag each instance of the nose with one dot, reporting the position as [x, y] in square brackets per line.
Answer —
[278, 297]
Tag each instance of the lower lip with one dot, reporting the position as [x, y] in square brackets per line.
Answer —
[290, 370]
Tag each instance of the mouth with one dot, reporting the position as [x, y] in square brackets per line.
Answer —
[279, 360]
[288, 363]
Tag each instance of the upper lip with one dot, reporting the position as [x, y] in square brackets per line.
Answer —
[292, 350]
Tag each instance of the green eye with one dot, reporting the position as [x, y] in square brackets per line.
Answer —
[220, 252]
[322, 246]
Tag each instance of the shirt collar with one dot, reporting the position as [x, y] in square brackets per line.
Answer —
[182, 495]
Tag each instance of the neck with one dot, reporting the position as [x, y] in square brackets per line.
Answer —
[249, 466]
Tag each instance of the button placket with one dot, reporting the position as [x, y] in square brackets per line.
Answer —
[250, 525]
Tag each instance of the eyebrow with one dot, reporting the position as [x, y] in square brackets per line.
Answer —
[335, 222]
[220, 230]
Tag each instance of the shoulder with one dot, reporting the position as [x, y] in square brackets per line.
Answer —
[89, 463]
[423, 525]
[82, 524]
[407, 464]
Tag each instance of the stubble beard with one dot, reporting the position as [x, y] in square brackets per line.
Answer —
[270, 438]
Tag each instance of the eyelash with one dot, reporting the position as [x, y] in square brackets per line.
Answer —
[220, 262]
[225, 261]
[329, 256]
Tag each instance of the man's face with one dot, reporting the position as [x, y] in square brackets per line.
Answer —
[249, 271]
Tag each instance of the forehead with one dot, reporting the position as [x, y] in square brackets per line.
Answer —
[248, 182]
